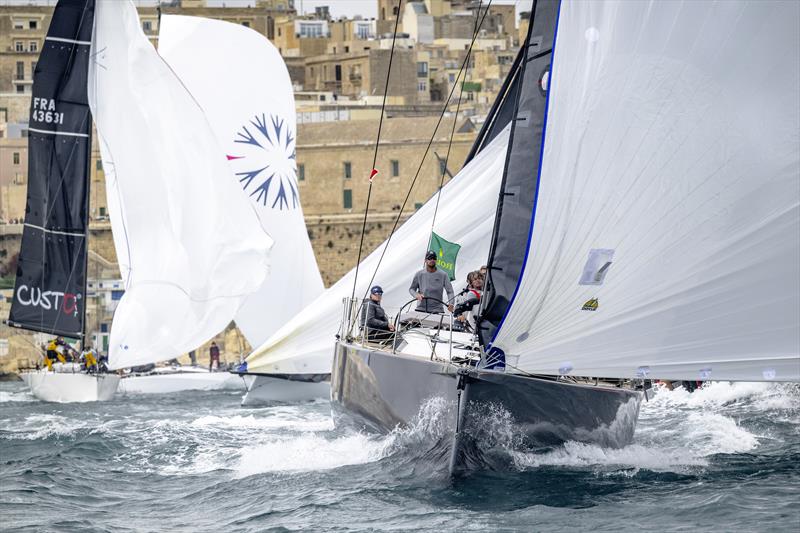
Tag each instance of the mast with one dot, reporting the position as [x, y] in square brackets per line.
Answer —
[50, 287]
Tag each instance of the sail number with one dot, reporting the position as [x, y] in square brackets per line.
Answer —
[48, 116]
[44, 110]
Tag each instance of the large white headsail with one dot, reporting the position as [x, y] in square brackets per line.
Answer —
[242, 84]
[192, 245]
[666, 235]
[465, 216]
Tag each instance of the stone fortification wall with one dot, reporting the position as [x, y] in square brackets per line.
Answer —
[335, 240]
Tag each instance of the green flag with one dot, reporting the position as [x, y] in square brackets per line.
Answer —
[447, 252]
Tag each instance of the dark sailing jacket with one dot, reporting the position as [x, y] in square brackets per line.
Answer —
[373, 316]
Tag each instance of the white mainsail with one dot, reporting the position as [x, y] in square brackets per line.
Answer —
[466, 216]
[190, 245]
[672, 152]
[240, 80]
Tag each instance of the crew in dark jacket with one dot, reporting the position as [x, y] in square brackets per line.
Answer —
[374, 319]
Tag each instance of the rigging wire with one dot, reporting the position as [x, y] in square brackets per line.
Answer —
[424, 155]
[375, 153]
[455, 120]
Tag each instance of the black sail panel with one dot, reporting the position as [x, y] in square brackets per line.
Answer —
[518, 191]
[51, 269]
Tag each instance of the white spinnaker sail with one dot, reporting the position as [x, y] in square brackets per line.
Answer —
[241, 82]
[192, 243]
[673, 141]
[466, 216]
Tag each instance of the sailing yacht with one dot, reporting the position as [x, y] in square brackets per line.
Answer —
[190, 247]
[647, 226]
[50, 286]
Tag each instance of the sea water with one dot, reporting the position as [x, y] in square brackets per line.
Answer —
[726, 457]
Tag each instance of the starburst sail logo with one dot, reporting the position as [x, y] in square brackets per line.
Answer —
[265, 162]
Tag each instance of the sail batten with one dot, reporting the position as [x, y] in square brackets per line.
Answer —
[673, 153]
[49, 291]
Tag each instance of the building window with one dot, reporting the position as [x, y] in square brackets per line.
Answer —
[33, 46]
[417, 205]
[18, 46]
[33, 68]
[19, 178]
[16, 158]
[279, 32]
[310, 30]
[348, 170]
[116, 295]
[98, 165]
[102, 214]
[19, 25]
[422, 86]
[20, 88]
[147, 26]
[20, 70]
[348, 199]
[301, 172]
[452, 78]
[246, 24]
[442, 167]
[422, 69]
[33, 24]
[395, 168]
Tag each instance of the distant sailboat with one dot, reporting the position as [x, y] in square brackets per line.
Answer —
[648, 226]
[190, 246]
[241, 81]
[50, 287]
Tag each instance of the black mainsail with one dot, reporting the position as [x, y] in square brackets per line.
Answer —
[516, 206]
[50, 288]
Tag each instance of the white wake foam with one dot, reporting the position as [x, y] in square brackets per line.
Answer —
[312, 453]
[6, 396]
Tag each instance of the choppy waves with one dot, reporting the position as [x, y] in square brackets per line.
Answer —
[273, 466]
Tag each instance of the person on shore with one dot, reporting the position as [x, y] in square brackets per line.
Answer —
[213, 353]
[374, 319]
[429, 284]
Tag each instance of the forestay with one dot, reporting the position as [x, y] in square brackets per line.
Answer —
[240, 80]
[666, 236]
[465, 216]
[190, 245]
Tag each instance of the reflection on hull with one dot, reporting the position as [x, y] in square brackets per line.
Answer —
[267, 388]
[381, 391]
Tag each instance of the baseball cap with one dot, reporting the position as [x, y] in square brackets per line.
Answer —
[376, 290]
[430, 255]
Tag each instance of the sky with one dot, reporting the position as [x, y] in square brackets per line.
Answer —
[365, 8]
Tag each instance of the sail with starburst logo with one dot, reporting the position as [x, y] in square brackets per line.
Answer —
[240, 80]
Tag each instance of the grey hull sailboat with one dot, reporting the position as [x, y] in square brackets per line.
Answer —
[615, 250]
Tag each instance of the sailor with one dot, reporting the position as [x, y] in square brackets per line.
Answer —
[374, 319]
[213, 353]
[89, 361]
[52, 351]
[468, 299]
[428, 285]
